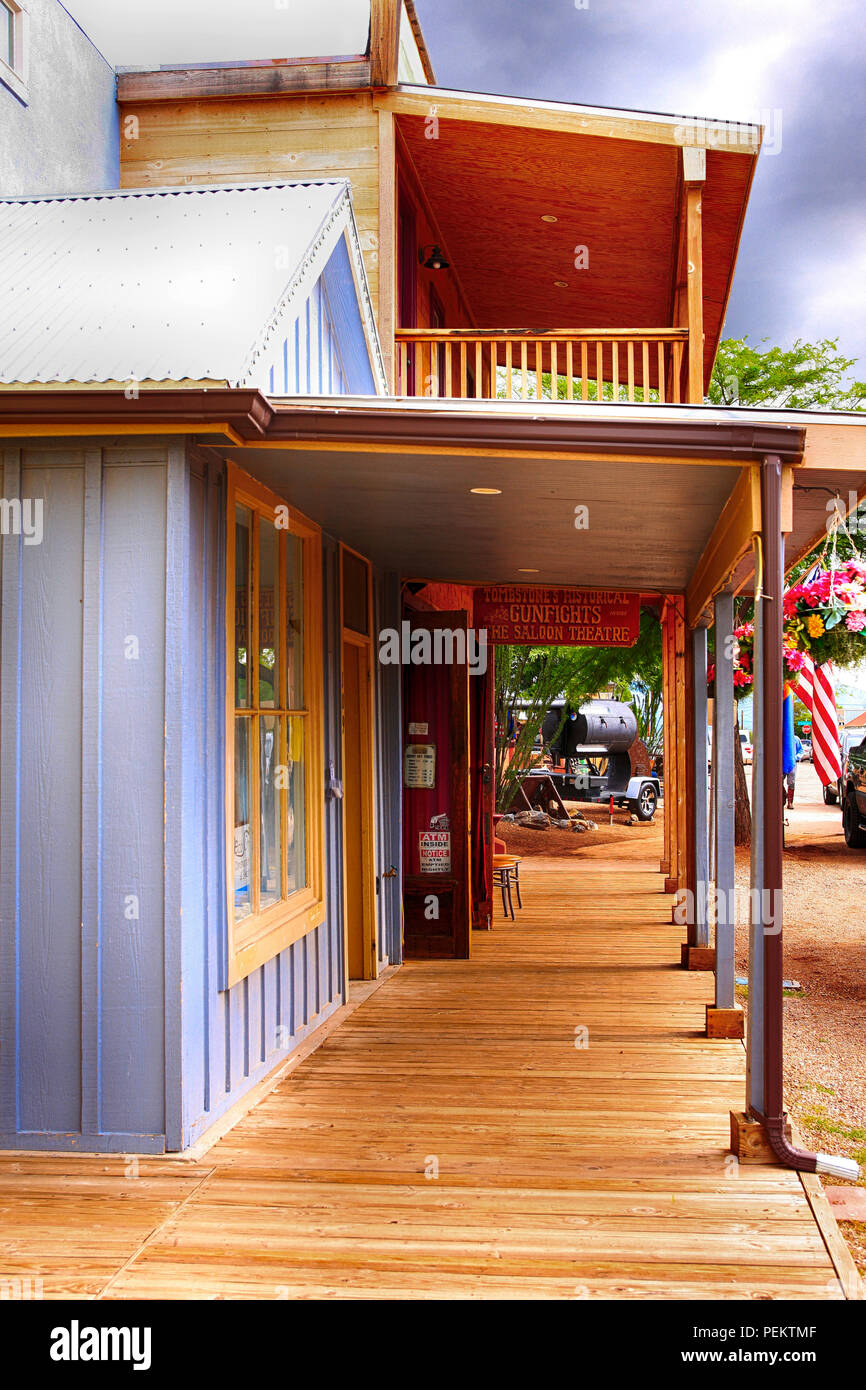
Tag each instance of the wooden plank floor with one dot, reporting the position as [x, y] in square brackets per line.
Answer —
[450, 1140]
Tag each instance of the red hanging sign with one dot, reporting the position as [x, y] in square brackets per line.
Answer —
[529, 615]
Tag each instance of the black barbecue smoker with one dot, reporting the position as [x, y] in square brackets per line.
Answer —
[593, 743]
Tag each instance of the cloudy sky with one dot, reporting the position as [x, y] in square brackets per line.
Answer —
[797, 64]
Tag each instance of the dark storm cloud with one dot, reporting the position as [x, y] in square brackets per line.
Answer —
[802, 261]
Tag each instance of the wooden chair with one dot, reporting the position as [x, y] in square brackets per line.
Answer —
[506, 871]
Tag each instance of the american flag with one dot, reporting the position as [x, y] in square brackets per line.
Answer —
[815, 686]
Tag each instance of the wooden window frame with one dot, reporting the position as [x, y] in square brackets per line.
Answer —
[262, 935]
[15, 76]
[370, 930]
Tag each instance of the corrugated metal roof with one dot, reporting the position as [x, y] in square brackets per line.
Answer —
[158, 285]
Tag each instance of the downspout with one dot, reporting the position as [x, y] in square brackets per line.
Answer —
[770, 599]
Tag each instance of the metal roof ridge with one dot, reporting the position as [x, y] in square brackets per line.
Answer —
[173, 189]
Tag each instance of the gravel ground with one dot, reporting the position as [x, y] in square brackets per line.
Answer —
[825, 953]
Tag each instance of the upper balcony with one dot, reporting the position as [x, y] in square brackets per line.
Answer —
[585, 253]
[603, 364]
[526, 237]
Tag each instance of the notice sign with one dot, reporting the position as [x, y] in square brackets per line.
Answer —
[529, 615]
[419, 765]
[434, 851]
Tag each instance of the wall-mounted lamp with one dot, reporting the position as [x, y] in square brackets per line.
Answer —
[435, 260]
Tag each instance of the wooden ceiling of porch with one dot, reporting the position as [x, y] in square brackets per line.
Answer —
[488, 187]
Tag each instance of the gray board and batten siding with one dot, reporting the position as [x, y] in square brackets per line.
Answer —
[117, 1032]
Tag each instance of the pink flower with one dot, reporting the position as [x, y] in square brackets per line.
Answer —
[855, 622]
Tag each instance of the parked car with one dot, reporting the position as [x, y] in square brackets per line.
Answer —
[854, 803]
[746, 746]
[848, 739]
[806, 753]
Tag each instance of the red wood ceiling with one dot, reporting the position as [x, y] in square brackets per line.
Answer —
[488, 187]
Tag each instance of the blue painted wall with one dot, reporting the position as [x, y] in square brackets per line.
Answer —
[82, 680]
[64, 136]
[325, 352]
[232, 1038]
[115, 1033]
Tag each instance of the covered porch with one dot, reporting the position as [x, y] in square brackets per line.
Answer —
[451, 1140]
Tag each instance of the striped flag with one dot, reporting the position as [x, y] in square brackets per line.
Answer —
[815, 686]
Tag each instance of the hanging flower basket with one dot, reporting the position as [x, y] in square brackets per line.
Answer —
[744, 655]
[825, 615]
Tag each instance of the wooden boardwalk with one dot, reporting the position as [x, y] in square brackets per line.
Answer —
[451, 1140]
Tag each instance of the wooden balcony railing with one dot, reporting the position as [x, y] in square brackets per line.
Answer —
[617, 364]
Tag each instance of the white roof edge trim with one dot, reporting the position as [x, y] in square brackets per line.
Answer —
[722, 415]
[339, 221]
[186, 189]
[496, 100]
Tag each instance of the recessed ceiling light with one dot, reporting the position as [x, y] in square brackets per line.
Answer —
[486, 491]
[548, 217]
[561, 284]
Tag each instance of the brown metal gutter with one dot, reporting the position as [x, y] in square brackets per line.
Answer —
[499, 429]
[243, 413]
[254, 419]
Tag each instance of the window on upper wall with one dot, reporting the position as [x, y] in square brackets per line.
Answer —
[274, 762]
[13, 47]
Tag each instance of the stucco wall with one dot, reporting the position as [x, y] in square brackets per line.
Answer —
[65, 139]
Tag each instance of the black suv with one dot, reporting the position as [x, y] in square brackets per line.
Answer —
[854, 803]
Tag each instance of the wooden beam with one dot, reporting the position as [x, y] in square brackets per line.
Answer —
[559, 116]
[384, 42]
[694, 173]
[244, 80]
[387, 238]
[732, 535]
[412, 17]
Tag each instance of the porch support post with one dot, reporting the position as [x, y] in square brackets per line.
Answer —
[682, 690]
[723, 1018]
[755, 1032]
[667, 744]
[773, 543]
[699, 927]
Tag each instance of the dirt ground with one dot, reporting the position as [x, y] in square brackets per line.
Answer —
[825, 955]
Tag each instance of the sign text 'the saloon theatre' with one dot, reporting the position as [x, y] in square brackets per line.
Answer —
[535, 616]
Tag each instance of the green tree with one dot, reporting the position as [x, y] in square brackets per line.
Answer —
[807, 376]
[533, 677]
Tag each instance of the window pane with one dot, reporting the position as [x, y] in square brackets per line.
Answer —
[355, 594]
[271, 888]
[243, 852]
[295, 621]
[296, 843]
[243, 607]
[7, 35]
[269, 697]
